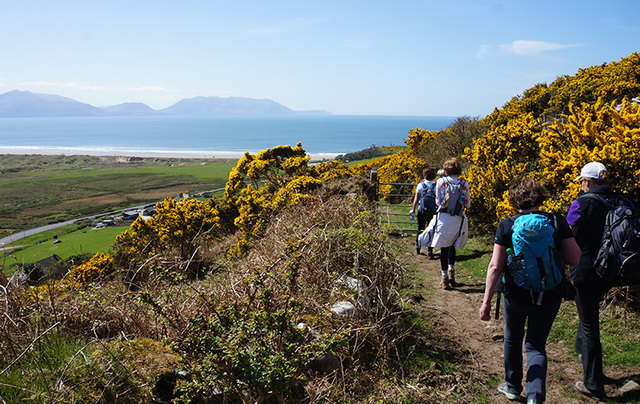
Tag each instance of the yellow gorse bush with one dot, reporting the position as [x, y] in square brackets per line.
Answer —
[93, 270]
[397, 168]
[258, 185]
[177, 226]
[272, 179]
[550, 132]
[504, 153]
[608, 133]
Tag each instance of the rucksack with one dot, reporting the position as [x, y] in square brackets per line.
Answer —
[536, 264]
[618, 260]
[454, 198]
[428, 197]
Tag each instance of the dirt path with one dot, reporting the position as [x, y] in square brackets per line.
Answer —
[483, 341]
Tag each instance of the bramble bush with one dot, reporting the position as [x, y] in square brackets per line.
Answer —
[249, 350]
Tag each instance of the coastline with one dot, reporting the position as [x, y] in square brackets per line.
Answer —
[149, 153]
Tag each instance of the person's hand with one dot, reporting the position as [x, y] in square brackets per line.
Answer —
[411, 211]
[485, 311]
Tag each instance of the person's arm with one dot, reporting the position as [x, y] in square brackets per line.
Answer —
[440, 191]
[494, 273]
[574, 229]
[570, 251]
[416, 199]
[574, 217]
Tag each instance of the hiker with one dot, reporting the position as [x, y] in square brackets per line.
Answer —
[538, 310]
[586, 217]
[449, 227]
[425, 201]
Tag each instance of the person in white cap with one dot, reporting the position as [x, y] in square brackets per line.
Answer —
[586, 217]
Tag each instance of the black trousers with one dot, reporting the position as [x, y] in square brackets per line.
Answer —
[589, 295]
[423, 220]
[447, 257]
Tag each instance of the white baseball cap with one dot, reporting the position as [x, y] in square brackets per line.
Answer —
[591, 170]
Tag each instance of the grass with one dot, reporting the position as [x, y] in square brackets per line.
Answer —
[397, 217]
[87, 240]
[475, 257]
[45, 364]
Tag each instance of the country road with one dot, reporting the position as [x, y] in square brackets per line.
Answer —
[14, 237]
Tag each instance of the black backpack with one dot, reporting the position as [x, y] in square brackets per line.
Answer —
[428, 198]
[618, 260]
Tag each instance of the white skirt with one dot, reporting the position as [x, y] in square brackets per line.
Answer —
[445, 230]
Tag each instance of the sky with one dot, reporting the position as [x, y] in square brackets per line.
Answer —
[402, 57]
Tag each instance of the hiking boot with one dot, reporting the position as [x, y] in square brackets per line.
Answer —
[597, 395]
[504, 389]
[445, 284]
[452, 278]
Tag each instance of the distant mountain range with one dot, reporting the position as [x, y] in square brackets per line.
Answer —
[27, 104]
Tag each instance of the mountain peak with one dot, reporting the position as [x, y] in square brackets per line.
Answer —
[19, 103]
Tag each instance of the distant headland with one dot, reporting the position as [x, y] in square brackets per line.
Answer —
[25, 104]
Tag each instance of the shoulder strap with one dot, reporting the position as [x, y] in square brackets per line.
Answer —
[596, 197]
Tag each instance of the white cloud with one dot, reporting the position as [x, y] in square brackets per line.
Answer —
[151, 88]
[70, 85]
[483, 50]
[532, 48]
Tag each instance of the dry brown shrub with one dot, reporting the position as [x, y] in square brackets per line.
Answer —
[303, 252]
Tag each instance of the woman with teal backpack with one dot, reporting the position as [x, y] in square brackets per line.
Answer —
[522, 305]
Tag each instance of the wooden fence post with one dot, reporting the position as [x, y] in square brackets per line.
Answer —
[373, 177]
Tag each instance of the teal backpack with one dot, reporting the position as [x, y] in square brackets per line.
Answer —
[536, 264]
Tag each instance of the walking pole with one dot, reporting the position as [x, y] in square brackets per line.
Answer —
[499, 292]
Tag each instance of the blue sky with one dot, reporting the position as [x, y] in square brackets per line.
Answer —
[425, 58]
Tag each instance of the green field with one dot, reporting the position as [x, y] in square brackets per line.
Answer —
[87, 240]
[36, 190]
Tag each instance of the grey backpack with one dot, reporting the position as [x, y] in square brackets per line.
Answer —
[454, 198]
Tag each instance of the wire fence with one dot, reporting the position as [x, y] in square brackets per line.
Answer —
[394, 207]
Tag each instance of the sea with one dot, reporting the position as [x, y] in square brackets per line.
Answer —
[323, 136]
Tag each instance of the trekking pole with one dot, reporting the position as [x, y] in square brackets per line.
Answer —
[499, 293]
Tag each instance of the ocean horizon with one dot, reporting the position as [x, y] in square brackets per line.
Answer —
[207, 136]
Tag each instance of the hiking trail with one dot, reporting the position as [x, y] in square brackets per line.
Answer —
[455, 312]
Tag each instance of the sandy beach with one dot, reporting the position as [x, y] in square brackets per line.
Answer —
[199, 154]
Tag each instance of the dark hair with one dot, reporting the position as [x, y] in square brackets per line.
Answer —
[603, 178]
[429, 173]
[525, 193]
[452, 167]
